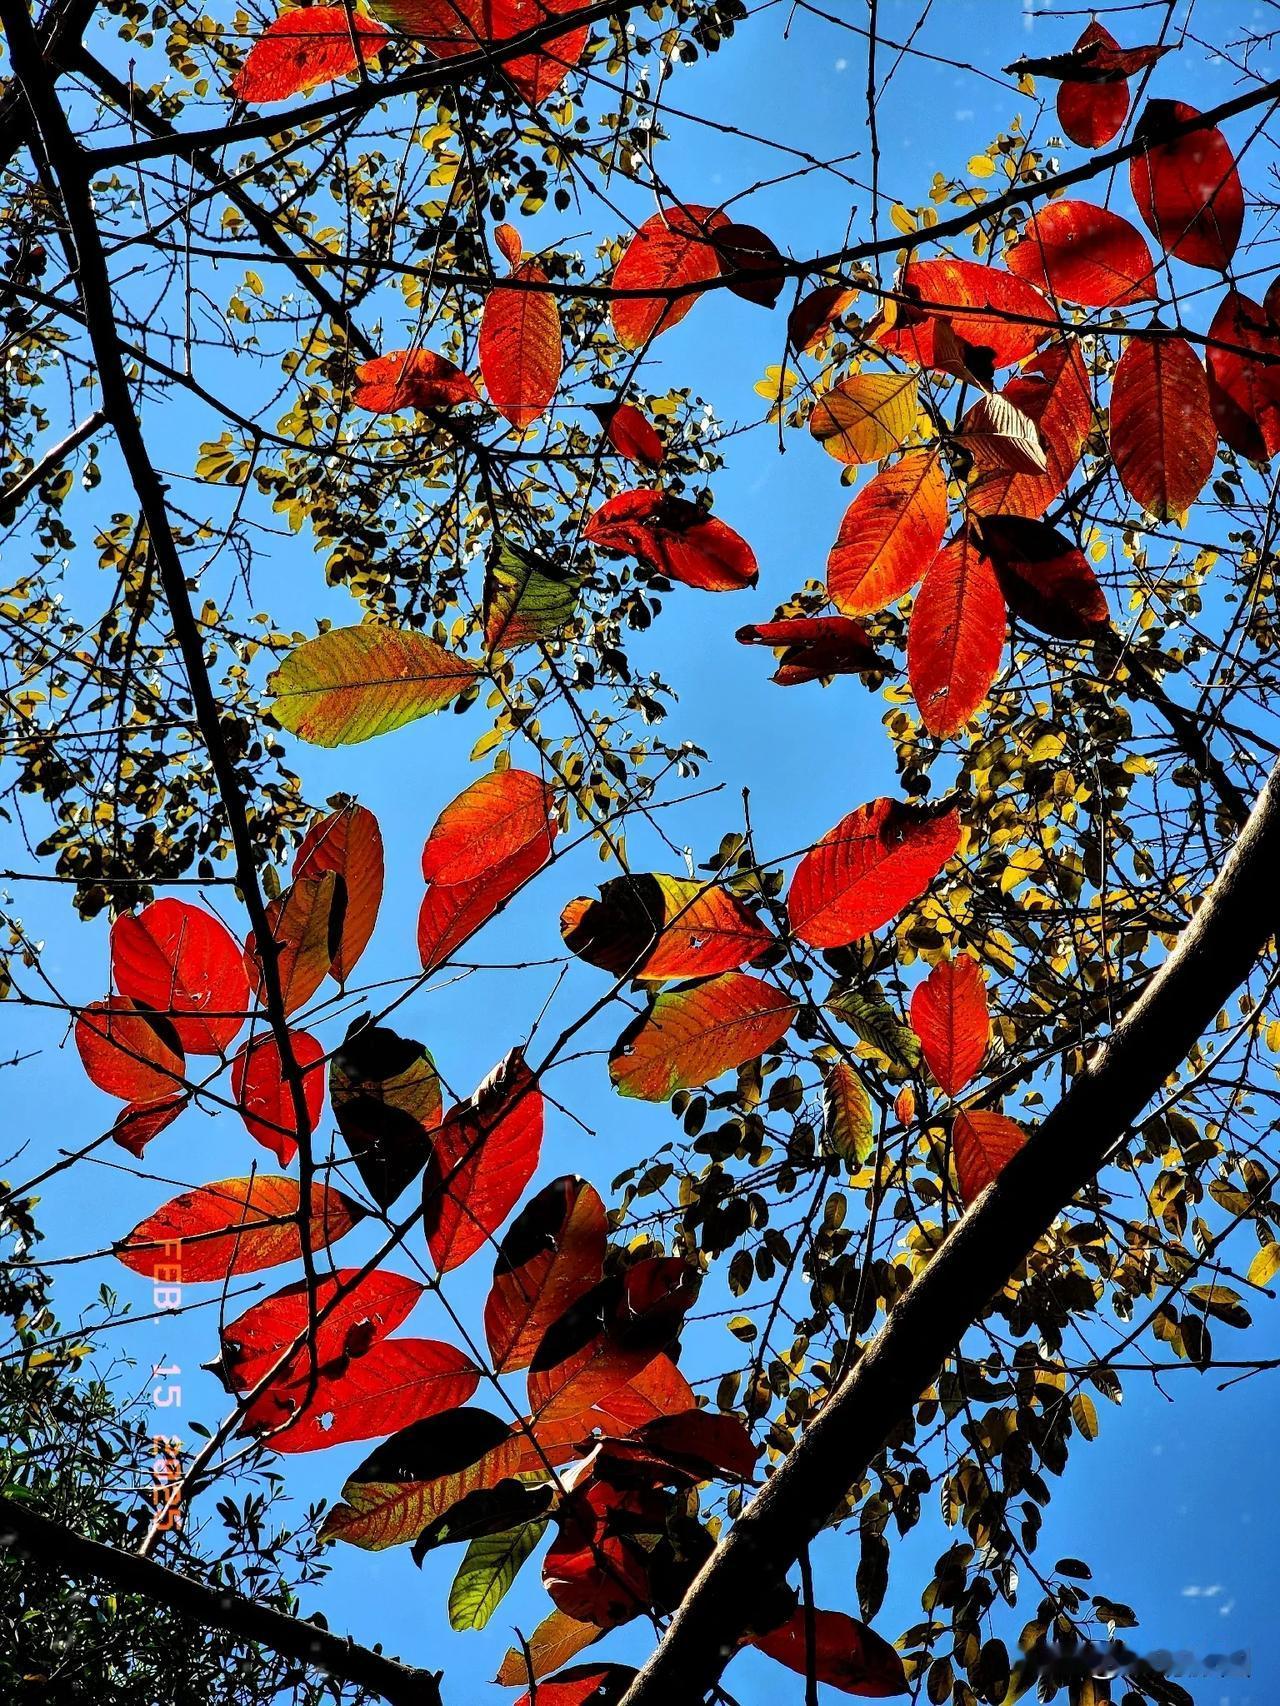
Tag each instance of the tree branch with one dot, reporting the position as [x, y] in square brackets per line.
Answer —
[1214, 957]
[35, 1536]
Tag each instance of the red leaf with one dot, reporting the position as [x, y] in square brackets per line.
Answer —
[264, 1098]
[1083, 253]
[875, 862]
[1096, 58]
[949, 1015]
[890, 533]
[394, 1384]
[358, 1312]
[302, 48]
[745, 249]
[137, 1124]
[1163, 437]
[349, 843]
[658, 1389]
[651, 926]
[483, 1155]
[180, 961]
[505, 815]
[302, 928]
[1053, 392]
[1244, 395]
[1093, 113]
[411, 379]
[1045, 578]
[583, 1685]
[630, 433]
[697, 1444]
[974, 300]
[955, 638]
[676, 538]
[814, 315]
[597, 1567]
[814, 647]
[129, 1052]
[451, 913]
[982, 1145]
[1187, 187]
[233, 1227]
[847, 1654]
[521, 354]
[511, 245]
[452, 27]
[689, 1036]
[551, 1255]
[672, 248]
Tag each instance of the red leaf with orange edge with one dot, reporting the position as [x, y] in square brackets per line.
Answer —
[451, 913]
[551, 1255]
[1053, 391]
[847, 1655]
[357, 1309]
[673, 248]
[1244, 395]
[349, 843]
[982, 1145]
[484, 1153]
[137, 1124]
[129, 1052]
[689, 1036]
[502, 815]
[453, 27]
[265, 1099]
[597, 1569]
[1163, 437]
[583, 1685]
[411, 379]
[1083, 253]
[1093, 113]
[395, 1383]
[1045, 579]
[180, 961]
[630, 433]
[1187, 188]
[949, 1015]
[955, 638]
[657, 1389]
[815, 314]
[521, 352]
[676, 538]
[235, 1226]
[890, 534]
[814, 647]
[652, 926]
[301, 48]
[988, 308]
[862, 873]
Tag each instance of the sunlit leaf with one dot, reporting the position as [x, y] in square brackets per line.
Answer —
[551, 1255]
[347, 842]
[265, 1098]
[555, 1641]
[393, 1384]
[1163, 438]
[676, 538]
[630, 433]
[521, 354]
[1187, 188]
[305, 47]
[483, 1154]
[1093, 113]
[690, 1036]
[181, 962]
[862, 873]
[350, 684]
[652, 926]
[982, 1144]
[501, 816]
[865, 417]
[1053, 392]
[847, 1654]
[411, 379]
[955, 639]
[1244, 394]
[986, 307]
[846, 1111]
[670, 250]
[890, 534]
[130, 1052]
[525, 600]
[306, 933]
[233, 1227]
[1083, 253]
[490, 1565]
[949, 1015]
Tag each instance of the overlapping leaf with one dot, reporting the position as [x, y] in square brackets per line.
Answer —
[676, 538]
[630, 433]
[306, 929]
[301, 48]
[526, 600]
[672, 249]
[385, 1093]
[129, 1051]
[1045, 579]
[347, 842]
[1244, 393]
[265, 1098]
[552, 1254]
[656, 927]
[812, 648]
[178, 960]
[987, 308]
[1054, 393]
[411, 379]
[690, 1036]
[1092, 113]
[847, 1655]
[1083, 253]
[865, 417]
[483, 1154]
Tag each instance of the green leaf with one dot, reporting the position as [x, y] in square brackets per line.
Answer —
[353, 683]
[869, 1015]
[525, 600]
[488, 1568]
[847, 1115]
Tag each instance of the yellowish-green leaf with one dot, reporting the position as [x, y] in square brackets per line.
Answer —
[353, 683]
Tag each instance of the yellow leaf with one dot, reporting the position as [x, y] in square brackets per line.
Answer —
[866, 417]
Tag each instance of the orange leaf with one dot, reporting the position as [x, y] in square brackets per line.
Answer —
[349, 843]
[137, 1124]
[890, 533]
[233, 1227]
[648, 925]
[949, 1015]
[814, 315]
[1052, 392]
[867, 869]
[521, 354]
[671, 249]
[982, 1145]
[313, 44]
[955, 639]
[1083, 253]
[552, 1254]
[484, 1153]
[452, 913]
[128, 1051]
[411, 379]
[982, 305]
[1187, 187]
[690, 1036]
[1163, 440]
[502, 816]
[303, 929]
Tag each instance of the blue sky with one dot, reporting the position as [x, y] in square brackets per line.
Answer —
[1173, 1504]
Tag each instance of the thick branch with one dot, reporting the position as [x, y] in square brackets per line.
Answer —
[26, 1531]
[1213, 958]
